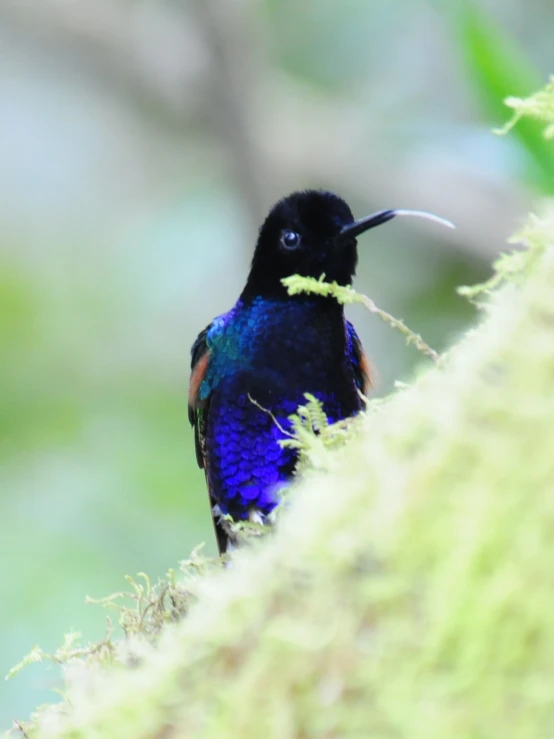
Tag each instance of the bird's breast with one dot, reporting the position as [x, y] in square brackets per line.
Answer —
[294, 343]
[264, 358]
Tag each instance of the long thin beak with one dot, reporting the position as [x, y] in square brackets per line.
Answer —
[352, 230]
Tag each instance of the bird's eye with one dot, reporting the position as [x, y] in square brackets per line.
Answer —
[290, 239]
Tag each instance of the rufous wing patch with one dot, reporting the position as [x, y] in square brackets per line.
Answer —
[197, 377]
[368, 378]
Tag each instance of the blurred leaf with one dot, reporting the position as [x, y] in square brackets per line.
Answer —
[499, 69]
[18, 309]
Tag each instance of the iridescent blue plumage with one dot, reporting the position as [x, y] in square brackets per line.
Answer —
[265, 354]
[253, 365]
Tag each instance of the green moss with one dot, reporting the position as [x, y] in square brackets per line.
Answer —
[539, 106]
[347, 296]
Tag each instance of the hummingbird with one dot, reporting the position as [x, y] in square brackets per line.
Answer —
[252, 366]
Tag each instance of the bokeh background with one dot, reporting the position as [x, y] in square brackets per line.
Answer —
[141, 143]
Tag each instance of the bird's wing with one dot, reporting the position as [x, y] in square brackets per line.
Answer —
[363, 372]
[200, 358]
[198, 408]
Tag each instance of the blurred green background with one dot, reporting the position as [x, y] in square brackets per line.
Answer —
[141, 143]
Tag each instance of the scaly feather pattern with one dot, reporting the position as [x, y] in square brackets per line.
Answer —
[256, 376]
[252, 366]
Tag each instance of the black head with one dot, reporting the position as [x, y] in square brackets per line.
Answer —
[309, 233]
